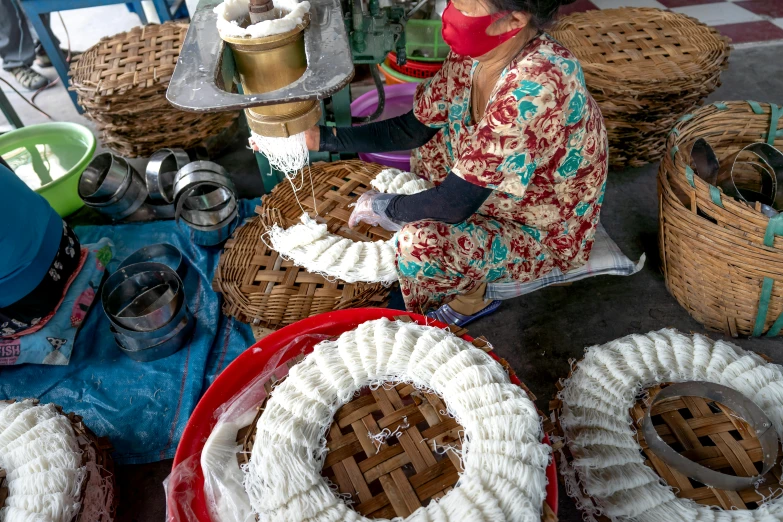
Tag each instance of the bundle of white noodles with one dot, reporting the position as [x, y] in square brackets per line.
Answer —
[43, 463]
[311, 246]
[607, 462]
[504, 459]
[232, 18]
[288, 155]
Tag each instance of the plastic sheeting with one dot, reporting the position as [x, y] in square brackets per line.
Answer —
[224, 493]
[141, 407]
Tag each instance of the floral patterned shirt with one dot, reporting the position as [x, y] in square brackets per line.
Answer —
[541, 145]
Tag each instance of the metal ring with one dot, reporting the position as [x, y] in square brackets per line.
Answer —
[216, 236]
[208, 218]
[103, 178]
[162, 253]
[770, 171]
[208, 200]
[174, 342]
[145, 301]
[114, 198]
[208, 166]
[161, 170]
[118, 278]
[129, 202]
[148, 301]
[732, 399]
[201, 171]
[183, 184]
[134, 340]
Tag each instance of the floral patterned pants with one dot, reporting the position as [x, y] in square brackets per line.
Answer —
[437, 261]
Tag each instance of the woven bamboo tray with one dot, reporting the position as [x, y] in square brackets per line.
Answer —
[721, 258]
[705, 432]
[96, 450]
[261, 288]
[335, 187]
[394, 478]
[645, 68]
[121, 83]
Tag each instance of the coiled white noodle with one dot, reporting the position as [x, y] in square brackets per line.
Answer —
[505, 462]
[607, 463]
[311, 246]
[40, 455]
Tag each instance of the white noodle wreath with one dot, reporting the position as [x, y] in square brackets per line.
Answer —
[607, 462]
[41, 457]
[313, 247]
[504, 460]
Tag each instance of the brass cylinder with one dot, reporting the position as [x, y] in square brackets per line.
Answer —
[268, 64]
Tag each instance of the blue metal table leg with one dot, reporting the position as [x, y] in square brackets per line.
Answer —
[10, 114]
[162, 7]
[53, 51]
[138, 7]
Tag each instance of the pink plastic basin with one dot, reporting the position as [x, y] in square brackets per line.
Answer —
[399, 100]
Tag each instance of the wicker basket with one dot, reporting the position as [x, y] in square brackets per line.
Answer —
[721, 258]
[262, 288]
[645, 68]
[96, 456]
[705, 432]
[121, 83]
[405, 472]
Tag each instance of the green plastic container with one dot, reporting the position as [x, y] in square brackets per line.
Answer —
[423, 41]
[50, 158]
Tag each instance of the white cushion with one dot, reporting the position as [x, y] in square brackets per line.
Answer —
[606, 258]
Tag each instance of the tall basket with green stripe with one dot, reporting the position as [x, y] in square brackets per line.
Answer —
[722, 258]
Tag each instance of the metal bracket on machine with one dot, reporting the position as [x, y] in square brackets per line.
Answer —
[203, 78]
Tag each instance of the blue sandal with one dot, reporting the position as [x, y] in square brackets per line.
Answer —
[446, 314]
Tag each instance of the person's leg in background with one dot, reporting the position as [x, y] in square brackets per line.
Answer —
[17, 46]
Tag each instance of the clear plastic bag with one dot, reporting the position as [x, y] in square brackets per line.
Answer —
[223, 492]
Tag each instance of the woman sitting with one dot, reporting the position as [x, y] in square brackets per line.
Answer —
[517, 148]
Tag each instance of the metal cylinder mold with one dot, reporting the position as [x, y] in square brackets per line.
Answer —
[268, 64]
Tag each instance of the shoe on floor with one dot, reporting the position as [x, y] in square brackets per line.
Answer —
[42, 59]
[29, 78]
[446, 314]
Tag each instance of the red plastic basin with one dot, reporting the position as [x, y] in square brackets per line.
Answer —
[248, 365]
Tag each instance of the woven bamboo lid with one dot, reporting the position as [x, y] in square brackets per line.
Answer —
[642, 45]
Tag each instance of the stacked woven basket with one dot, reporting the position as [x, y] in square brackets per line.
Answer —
[722, 259]
[262, 288]
[645, 68]
[121, 83]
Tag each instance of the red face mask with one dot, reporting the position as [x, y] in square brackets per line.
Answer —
[467, 35]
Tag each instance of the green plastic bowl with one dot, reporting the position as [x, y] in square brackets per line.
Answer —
[50, 158]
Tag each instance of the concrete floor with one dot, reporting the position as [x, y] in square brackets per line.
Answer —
[539, 333]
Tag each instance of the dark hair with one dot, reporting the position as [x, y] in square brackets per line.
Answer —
[541, 11]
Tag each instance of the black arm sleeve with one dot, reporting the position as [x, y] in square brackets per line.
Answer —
[453, 201]
[401, 133]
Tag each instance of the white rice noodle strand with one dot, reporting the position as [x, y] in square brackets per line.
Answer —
[40, 454]
[233, 14]
[310, 245]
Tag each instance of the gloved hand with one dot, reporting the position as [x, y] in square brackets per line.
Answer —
[364, 212]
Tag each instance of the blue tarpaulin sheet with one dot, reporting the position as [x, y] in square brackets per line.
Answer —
[141, 407]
